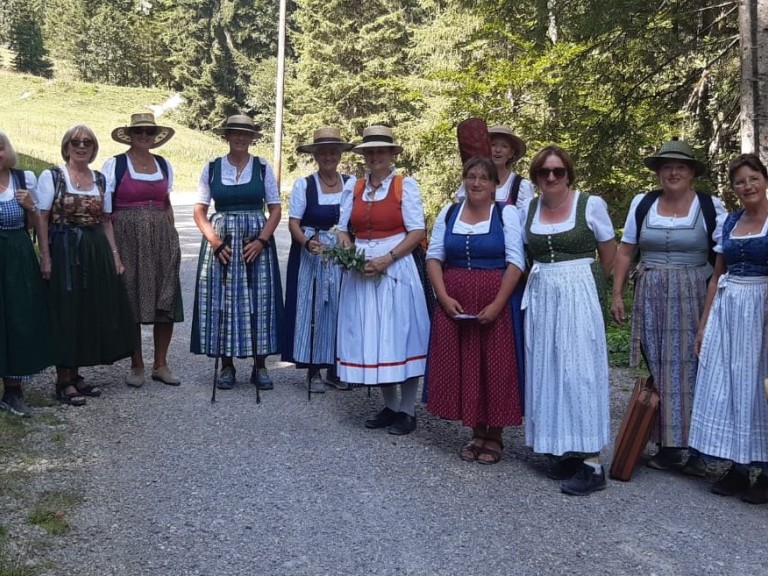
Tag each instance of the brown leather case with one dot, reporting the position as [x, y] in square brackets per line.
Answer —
[635, 429]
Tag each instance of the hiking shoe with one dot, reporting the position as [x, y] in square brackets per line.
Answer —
[315, 383]
[260, 378]
[226, 378]
[13, 402]
[758, 493]
[734, 481]
[667, 459]
[585, 481]
[564, 468]
[384, 418]
[331, 379]
[695, 466]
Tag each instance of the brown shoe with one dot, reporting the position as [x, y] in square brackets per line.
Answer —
[164, 375]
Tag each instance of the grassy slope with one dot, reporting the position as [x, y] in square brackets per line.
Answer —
[36, 122]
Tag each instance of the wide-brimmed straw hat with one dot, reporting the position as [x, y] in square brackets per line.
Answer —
[239, 122]
[143, 120]
[378, 137]
[518, 144]
[325, 136]
[675, 150]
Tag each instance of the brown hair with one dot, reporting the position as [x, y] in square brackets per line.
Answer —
[750, 161]
[484, 163]
[552, 150]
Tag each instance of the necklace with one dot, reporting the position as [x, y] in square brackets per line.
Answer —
[239, 167]
[330, 185]
[143, 166]
[78, 179]
[553, 208]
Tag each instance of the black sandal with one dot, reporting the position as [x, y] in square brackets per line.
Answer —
[85, 389]
[72, 398]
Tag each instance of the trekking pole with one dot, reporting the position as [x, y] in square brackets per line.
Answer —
[224, 267]
[312, 336]
[249, 280]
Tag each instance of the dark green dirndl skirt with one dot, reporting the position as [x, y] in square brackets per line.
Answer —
[25, 323]
[93, 318]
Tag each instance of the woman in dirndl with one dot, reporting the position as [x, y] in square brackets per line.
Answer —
[669, 227]
[475, 259]
[93, 319]
[142, 217]
[566, 383]
[24, 322]
[730, 406]
[310, 321]
[506, 149]
[383, 327]
[238, 307]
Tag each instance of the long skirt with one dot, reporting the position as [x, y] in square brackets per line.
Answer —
[383, 326]
[149, 249]
[238, 308]
[518, 328]
[93, 318]
[26, 344]
[566, 361]
[472, 367]
[317, 311]
[730, 408]
[665, 318]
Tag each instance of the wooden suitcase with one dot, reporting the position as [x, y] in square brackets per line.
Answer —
[635, 429]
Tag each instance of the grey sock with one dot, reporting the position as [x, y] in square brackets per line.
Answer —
[409, 389]
[390, 397]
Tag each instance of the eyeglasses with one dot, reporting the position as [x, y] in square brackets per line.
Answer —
[481, 179]
[84, 143]
[558, 172]
[149, 131]
[741, 184]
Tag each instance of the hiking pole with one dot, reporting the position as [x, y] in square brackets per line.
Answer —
[227, 242]
[249, 281]
[312, 337]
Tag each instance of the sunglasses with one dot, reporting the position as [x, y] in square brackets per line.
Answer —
[84, 143]
[150, 131]
[544, 173]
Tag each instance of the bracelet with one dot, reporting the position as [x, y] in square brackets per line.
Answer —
[265, 243]
[393, 255]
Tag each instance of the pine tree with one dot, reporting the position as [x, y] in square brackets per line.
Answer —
[26, 40]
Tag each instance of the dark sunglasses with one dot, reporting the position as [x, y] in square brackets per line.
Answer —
[545, 172]
[150, 131]
[84, 143]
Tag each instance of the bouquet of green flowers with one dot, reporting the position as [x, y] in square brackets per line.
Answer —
[349, 258]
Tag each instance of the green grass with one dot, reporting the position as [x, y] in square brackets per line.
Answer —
[36, 112]
[50, 512]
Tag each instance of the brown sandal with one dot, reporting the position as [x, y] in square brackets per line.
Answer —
[493, 454]
[470, 451]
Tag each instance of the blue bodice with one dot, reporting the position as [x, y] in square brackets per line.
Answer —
[478, 251]
[744, 257]
[316, 215]
[11, 215]
[244, 197]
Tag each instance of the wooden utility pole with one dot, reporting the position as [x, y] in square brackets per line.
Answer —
[278, 150]
[753, 32]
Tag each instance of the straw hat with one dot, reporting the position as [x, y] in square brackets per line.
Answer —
[378, 137]
[325, 136]
[143, 120]
[518, 144]
[239, 122]
[675, 150]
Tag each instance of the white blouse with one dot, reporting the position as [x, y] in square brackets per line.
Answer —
[298, 202]
[597, 216]
[108, 169]
[513, 238]
[412, 208]
[657, 221]
[45, 190]
[31, 186]
[524, 194]
[717, 235]
[229, 178]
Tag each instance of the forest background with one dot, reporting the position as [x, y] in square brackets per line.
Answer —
[608, 80]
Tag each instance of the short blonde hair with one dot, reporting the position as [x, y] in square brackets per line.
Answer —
[69, 134]
[10, 152]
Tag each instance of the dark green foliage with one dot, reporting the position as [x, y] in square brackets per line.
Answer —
[26, 39]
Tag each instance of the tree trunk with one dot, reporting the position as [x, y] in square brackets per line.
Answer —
[753, 30]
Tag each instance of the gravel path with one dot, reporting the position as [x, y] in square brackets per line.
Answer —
[177, 486]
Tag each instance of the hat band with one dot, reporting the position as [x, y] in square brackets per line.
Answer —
[378, 138]
[663, 155]
[328, 140]
[250, 127]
